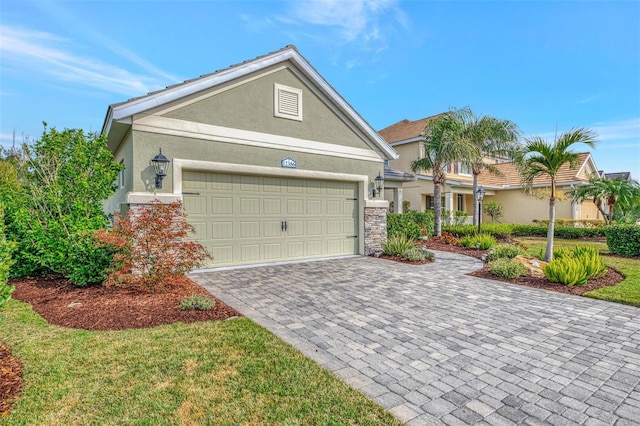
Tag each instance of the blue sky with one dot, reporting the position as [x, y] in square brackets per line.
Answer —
[544, 65]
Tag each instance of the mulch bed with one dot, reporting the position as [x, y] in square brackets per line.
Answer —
[401, 260]
[99, 308]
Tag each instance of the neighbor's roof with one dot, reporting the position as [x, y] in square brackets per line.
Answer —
[511, 177]
[618, 175]
[405, 130]
[121, 113]
[397, 175]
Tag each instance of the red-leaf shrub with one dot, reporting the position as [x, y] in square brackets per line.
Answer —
[151, 250]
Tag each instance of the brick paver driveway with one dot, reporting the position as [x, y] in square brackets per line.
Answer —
[434, 346]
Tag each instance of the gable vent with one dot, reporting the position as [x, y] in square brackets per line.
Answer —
[287, 102]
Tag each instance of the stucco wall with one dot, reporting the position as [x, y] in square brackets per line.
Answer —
[520, 208]
[250, 106]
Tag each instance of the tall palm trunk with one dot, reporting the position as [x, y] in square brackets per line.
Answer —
[437, 208]
[476, 213]
[548, 256]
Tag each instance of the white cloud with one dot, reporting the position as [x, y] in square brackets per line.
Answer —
[42, 52]
[619, 130]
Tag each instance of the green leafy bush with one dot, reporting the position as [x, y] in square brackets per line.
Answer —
[397, 245]
[197, 303]
[504, 251]
[560, 253]
[417, 254]
[6, 248]
[479, 241]
[504, 230]
[498, 230]
[412, 224]
[623, 240]
[455, 218]
[566, 270]
[89, 260]
[507, 268]
[591, 260]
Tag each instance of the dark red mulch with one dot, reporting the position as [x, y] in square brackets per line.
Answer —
[113, 308]
[434, 243]
[10, 380]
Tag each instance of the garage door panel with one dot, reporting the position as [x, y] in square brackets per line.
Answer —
[239, 218]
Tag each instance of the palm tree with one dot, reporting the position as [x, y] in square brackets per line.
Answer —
[610, 192]
[443, 144]
[492, 137]
[541, 159]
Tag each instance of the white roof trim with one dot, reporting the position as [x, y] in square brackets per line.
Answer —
[584, 163]
[405, 141]
[145, 103]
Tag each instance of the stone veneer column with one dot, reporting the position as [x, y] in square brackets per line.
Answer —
[375, 225]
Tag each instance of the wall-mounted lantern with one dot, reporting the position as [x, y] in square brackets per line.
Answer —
[377, 190]
[160, 164]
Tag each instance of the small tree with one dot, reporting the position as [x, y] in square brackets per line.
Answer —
[151, 250]
[493, 209]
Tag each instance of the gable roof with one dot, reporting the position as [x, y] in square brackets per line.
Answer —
[511, 177]
[405, 131]
[123, 112]
[618, 175]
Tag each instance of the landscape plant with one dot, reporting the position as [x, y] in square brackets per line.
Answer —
[566, 270]
[151, 249]
[478, 241]
[623, 240]
[417, 254]
[493, 209]
[6, 261]
[197, 302]
[507, 268]
[615, 194]
[504, 251]
[60, 183]
[541, 159]
[397, 245]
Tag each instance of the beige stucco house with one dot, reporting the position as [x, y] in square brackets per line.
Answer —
[271, 163]
[405, 136]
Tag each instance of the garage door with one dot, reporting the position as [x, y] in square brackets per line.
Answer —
[254, 219]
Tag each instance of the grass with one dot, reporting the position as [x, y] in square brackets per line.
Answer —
[224, 373]
[627, 292]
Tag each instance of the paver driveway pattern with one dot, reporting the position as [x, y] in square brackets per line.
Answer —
[435, 346]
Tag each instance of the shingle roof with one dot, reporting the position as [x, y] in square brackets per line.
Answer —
[397, 175]
[510, 175]
[405, 129]
[618, 175]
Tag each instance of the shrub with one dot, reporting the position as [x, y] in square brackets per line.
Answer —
[498, 230]
[591, 260]
[197, 303]
[455, 218]
[417, 254]
[411, 224]
[493, 209]
[561, 252]
[566, 270]
[507, 268]
[150, 246]
[504, 251]
[623, 240]
[89, 260]
[448, 238]
[6, 248]
[397, 245]
[479, 241]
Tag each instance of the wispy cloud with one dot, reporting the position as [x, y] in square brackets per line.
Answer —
[54, 56]
[627, 131]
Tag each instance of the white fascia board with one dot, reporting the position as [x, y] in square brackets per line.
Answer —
[169, 95]
[406, 141]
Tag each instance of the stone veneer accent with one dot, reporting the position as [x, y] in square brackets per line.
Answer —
[375, 229]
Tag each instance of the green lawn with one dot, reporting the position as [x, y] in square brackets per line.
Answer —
[627, 292]
[219, 373]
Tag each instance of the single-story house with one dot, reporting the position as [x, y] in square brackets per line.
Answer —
[270, 162]
[405, 137]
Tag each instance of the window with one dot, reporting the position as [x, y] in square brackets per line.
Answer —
[460, 202]
[429, 202]
[463, 169]
[287, 102]
[121, 176]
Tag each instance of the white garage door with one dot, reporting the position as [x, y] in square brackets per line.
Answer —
[254, 219]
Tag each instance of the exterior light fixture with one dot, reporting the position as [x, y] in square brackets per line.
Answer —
[479, 197]
[160, 164]
[377, 190]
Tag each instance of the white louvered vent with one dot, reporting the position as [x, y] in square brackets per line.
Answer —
[287, 102]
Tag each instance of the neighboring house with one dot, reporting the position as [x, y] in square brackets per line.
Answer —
[615, 176]
[405, 137]
[271, 163]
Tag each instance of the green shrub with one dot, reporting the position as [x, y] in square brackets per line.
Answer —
[479, 241]
[591, 260]
[498, 230]
[89, 261]
[197, 303]
[6, 249]
[623, 240]
[455, 218]
[507, 268]
[504, 251]
[566, 270]
[397, 245]
[417, 254]
[561, 252]
[411, 224]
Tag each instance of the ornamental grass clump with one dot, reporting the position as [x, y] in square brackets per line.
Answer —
[397, 245]
[566, 270]
[197, 303]
[507, 268]
[591, 260]
[478, 241]
[504, 251]
[417, 254]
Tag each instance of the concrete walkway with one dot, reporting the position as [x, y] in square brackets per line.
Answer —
[435, 346]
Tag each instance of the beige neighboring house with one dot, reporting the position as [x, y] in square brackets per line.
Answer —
[271, 163]
[405, 137]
